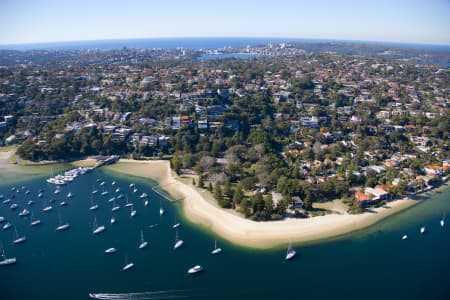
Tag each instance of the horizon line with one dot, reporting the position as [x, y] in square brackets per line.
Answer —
[219, 37]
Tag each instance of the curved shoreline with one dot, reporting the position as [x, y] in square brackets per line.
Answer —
[203, 210]
[262, 235]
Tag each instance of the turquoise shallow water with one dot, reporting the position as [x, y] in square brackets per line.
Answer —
[371, 264]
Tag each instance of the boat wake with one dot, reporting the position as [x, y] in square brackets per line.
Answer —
[169, 294]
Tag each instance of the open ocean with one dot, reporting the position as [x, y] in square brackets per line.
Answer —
[370, 264]
[196, 43]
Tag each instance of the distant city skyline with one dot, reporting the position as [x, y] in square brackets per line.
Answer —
[42, 21]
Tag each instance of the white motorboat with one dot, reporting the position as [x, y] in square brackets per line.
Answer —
[14, 206]
[30, 202]
[63, 203]
[6, 261]
[290, 253]
[161, 209]
[40, 195]
[118, 190]
[113, 183]
[112, 199]
[97, 229]
[422, 230]
[146, 202]
[405, 237]
[6, 201]
[2, 219]
[216, 249]
[442, 222]
[178, 241]
[69, 195]
[143, 243]
[143, 195]
[112, 220]
[131, 185]
[6, 226]
[104, 193]
[111, 250]
[57, 191]
[195, 269]
[115, 208]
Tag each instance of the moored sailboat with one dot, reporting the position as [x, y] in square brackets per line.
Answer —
[6, 261]
[127, 265]
[17, 238]
[216, 249]
[143, 243]
[97, 229]
[178, 242]
[34, 221]
[290, 253]
[61, 226]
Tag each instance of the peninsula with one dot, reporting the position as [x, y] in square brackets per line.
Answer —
[291, 141]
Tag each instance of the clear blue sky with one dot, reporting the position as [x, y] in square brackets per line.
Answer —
[413, 21]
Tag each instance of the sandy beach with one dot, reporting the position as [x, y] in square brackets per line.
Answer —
[250, 233]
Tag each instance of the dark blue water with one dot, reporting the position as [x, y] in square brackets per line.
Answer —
[371, 264]
[197, 43]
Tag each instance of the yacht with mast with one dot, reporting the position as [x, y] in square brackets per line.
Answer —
[290, 253]
[178, 241]
[61, 226]
[94, 205]
[216, 249]
[143, 243]
[115, 207]
[133, 212]
[34, 221]
[7, 225]
[46, 207]
[97, 229]
[175, 223]
[6, 261]
[17, 238]
[127, 265]
[128, 204]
